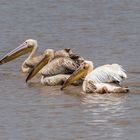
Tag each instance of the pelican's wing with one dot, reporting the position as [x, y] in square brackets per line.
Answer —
[69, 65]
[107, 74]
[60, 65]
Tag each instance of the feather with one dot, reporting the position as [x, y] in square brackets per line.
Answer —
[61, 65]
[107, 74]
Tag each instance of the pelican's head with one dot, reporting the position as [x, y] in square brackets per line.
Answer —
[31, 42]
[49, 53]
[88, 65]
[85, 68]
[24, 48]
[48, 56]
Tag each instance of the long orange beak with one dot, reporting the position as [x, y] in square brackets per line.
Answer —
[78, 74]
[20, 50]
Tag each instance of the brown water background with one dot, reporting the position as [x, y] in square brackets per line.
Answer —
[104, 31]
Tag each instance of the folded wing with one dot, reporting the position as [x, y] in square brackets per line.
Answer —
[62, 65]
[107, 74]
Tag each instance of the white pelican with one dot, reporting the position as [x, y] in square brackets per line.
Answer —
[31, 45]
[104, 79]
[55, 71]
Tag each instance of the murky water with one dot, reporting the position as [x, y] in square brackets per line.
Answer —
[103, 31]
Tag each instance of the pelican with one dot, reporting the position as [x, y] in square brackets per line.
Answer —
[103, 79]
[31, 46]
[55, 71]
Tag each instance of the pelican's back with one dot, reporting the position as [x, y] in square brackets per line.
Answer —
[61, 65]
[107, 74]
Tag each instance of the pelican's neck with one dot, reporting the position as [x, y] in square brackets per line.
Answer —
[51, 57]
[90, 67]
[90, 70]
[32, 54]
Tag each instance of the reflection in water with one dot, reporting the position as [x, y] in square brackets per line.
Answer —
[104, 112]
[101, 111]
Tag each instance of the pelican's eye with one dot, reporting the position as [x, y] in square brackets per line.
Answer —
[86, 66]
[26, 43]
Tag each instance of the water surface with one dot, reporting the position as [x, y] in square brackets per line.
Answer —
[103, 31]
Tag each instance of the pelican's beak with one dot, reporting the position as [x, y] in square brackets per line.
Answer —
[21, 50]
[77, 74]
[38, 67]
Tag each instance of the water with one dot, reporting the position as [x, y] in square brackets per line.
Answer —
[103, 31]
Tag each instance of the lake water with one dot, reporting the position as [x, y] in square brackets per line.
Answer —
[104, 31]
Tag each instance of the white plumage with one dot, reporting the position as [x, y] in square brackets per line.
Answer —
[103, 79]
[107, 74]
